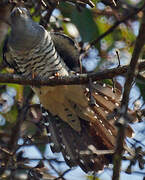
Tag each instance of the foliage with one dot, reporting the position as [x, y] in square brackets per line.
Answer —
[87, 25]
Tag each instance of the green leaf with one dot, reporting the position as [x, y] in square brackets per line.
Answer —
[103, 26]
[11, 116]
[85, 24]
[83, 20]
[92, 178]
[141, 86]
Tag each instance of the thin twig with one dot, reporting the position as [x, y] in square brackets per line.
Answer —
[15, 135]
[117, 23]
[118, 58]
[132, 72]
[12, 144]
[63, 174]
[89, 2]
[5, 151]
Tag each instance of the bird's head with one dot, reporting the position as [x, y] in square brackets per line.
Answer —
[24, 31]
[20, 18]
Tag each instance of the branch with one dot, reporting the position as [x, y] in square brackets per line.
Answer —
[15, 135]
[68, 80]
[122, 121]
[111, 29]
[63, 174]
[14, 138]
[89, 2]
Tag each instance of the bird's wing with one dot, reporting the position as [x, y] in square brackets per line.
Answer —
[67, 49]
[7, 56]
[80, 131]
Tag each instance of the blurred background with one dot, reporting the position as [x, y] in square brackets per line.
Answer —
[85, 25]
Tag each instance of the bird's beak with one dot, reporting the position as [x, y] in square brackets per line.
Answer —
[16, 11]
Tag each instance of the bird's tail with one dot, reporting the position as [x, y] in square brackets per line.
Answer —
[93, 146]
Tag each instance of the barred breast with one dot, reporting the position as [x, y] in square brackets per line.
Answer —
[42, 60]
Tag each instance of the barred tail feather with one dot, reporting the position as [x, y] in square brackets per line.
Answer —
[93, 146]
[75, 146]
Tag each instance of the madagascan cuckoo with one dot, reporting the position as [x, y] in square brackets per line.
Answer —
[78, 129]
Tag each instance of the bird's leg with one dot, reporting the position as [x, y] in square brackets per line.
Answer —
[56, 74]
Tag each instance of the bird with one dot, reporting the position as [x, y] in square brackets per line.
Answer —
[75, 126]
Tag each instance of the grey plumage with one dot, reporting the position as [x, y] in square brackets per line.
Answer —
[67, 49]
[33, 44]
[75, 125]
